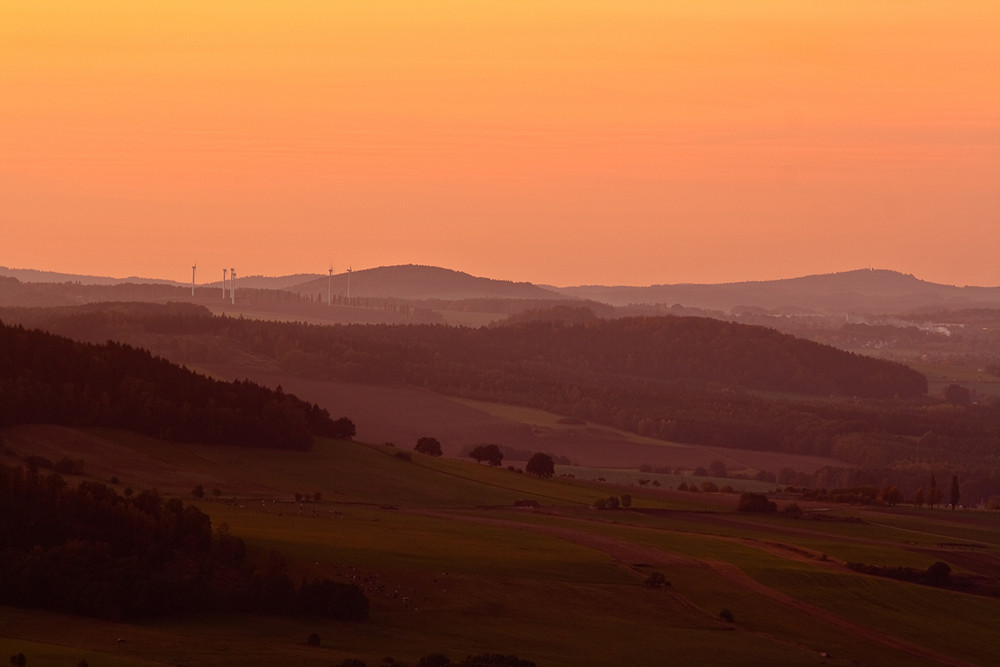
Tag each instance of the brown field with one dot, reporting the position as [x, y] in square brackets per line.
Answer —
[402, 414]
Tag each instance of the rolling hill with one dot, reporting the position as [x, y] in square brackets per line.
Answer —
[860, 291]
[872, 291]
[37, 276]
[422, 282]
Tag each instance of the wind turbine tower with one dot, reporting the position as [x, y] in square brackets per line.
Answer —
[329, 288]
[224, 284]
[232, 288]
[193, 269]
[348, 286]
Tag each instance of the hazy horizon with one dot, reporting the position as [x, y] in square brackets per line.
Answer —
[561, 143]
[202, 279]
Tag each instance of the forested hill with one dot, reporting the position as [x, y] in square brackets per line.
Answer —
[696, 348]
[673, 378]
[569, 344]
[49, 379]
[669, 349]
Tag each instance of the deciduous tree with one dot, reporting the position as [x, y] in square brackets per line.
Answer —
[934, 494]
[488, 453]
[429, 446]
[540, 465]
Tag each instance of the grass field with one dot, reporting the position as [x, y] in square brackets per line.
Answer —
[451, 566]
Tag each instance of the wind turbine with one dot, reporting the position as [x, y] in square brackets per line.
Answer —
[329, 288]
[193, 269]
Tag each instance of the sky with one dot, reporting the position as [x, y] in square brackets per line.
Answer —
[559, 142]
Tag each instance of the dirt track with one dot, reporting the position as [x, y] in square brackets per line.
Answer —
[627, 554]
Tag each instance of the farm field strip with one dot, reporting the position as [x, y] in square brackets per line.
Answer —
[624, 553]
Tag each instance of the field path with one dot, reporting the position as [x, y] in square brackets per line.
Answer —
[628, 554]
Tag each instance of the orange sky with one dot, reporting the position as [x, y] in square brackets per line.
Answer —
[564, 142]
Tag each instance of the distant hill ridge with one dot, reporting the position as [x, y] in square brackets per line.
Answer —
[413, 281]
[875, 290]
[37, 276]
[862, 290]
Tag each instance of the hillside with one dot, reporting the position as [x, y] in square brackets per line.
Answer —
[394, 293]
[451, 566]
[270, 282]
[872, 291]
[50, 379]
[421, 282]
[36, 276]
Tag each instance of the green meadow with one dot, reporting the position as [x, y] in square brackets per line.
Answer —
[452, 566]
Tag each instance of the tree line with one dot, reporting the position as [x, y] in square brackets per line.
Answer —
[88, 550]
[49, 379]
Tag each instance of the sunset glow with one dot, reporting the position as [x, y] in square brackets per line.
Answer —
[559, 142]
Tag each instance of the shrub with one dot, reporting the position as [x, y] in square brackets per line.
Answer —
[495, 660]
[792, 510]
[68, 466]
[655, 580]
[756, 503]
[313, 639]
[726, 615]
[346, 602]
[938, 574]
[434, 660]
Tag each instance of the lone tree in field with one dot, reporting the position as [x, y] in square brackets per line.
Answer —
[429, 446]
[488, 453]
[541, 466]
[955, 493]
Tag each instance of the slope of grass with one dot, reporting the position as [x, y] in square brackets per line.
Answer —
[451, 566]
